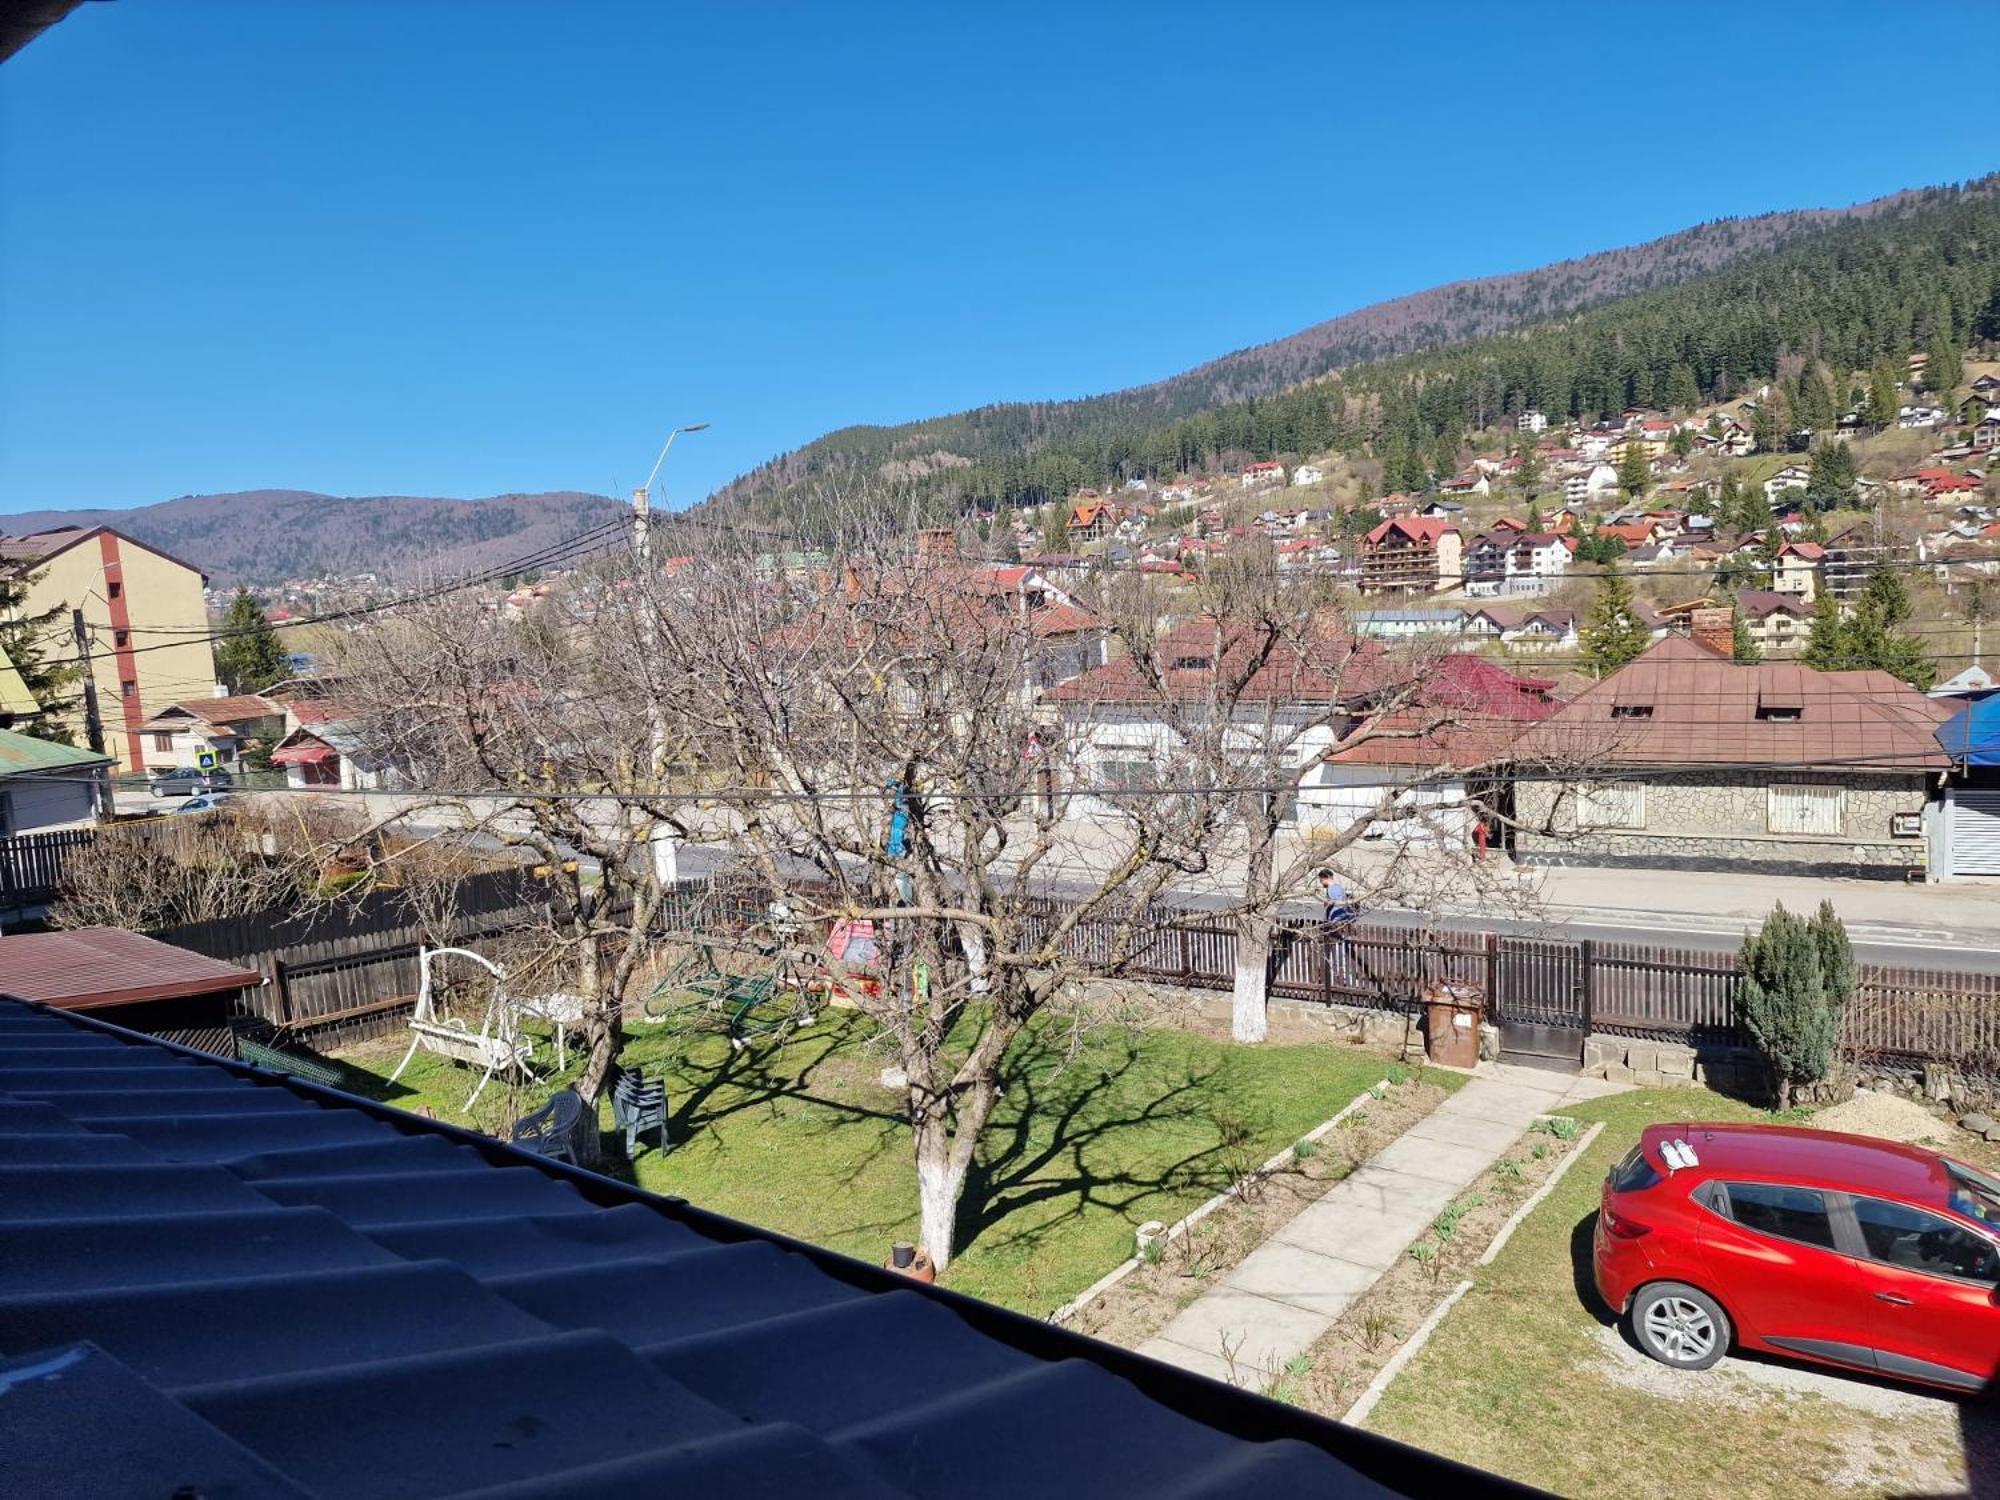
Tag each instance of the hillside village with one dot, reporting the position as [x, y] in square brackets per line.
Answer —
[1702, 507]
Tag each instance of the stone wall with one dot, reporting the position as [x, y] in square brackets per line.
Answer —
[1720, 820]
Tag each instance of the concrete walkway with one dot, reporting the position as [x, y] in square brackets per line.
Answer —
[1289, 1290]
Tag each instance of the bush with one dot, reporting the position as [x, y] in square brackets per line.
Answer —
[1798, 975]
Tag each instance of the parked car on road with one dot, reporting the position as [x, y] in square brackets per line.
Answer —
[205, 802]
[187, 781]
[1842, 1249]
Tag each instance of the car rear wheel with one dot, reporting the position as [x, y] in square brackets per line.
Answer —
[1680, 1326]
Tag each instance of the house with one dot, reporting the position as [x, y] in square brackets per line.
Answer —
[1541, 630]
[1472, 482]
[1441, 509]
[1631, 533]
[1414, 553]
[1777, 622]
[1088, 521]
[1943, 484]
[1128, 716]
[181, 733]
[478, 1312]
[1986, 433]
[1795, 569]
[1427, 756]
[45, 786]
[1911, 417]
[1790, 477]
[1403, 624]
[144, 617]
[1306, 474]
[1970, 685]
[1683, 759]
[1270, 471]
[1589, 482]
[1531, 421]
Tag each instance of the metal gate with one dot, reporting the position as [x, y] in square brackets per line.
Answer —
[1975, 832]
[1539, 1002]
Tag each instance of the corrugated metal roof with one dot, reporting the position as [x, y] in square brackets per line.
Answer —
[87, 967]
[22, 753]
[215, 1281]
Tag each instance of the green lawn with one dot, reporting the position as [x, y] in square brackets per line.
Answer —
[804, 1139]
[1516, 1380]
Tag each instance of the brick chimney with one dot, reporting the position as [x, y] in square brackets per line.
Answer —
[935, 543]
[1715, 629]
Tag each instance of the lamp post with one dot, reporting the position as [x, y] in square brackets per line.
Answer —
[666, 852]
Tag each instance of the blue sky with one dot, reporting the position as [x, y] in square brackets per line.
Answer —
[456, 248]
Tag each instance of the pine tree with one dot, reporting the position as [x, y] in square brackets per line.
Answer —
[1055, 527]
[1532, 467]
[1827, 645]
[1798, 975]
[1635, 471]
[1743, 647]
[1885, 394]
[24, 641]
[1681, 444]
[1614, 634]
[248, 655]
[1874, 638]
[1833, 477]
[1944, 370]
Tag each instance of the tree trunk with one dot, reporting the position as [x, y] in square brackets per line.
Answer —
[601, 1025]
[939, 1182]
[1784, 1092]
[1250, 998]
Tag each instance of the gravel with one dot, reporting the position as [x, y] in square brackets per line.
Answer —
[1886, 1116]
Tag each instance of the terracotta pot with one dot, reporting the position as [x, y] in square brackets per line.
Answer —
[908, 1260]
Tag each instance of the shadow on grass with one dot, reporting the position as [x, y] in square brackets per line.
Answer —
[1045, 1148]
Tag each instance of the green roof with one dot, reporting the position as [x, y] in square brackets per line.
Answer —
[21, 752]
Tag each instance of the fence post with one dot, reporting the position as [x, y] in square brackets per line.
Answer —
[1492, 948]
[1586, 981]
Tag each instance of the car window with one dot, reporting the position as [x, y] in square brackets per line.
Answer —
[1789, 1212]
[1898, 1235]
[1973, 1193]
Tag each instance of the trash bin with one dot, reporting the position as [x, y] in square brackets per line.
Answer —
[1452, 1014]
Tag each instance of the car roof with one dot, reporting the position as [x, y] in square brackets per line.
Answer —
[1811, 1158]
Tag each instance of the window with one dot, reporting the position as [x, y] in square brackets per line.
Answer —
[1804, 809]
[163, 742]
[1611, 804]
[1898, 1235]
[1632, 711]
[121, 637]
[129, 688]
[1788, 1212]
[1192, 663]
[1125, 775]
[114, 589]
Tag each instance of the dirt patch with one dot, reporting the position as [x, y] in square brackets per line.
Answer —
[1330, 1376]
[1147, 1300]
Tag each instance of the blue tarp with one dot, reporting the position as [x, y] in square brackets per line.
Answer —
[1972, 735]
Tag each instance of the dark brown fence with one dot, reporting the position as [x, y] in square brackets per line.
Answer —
[31, 864]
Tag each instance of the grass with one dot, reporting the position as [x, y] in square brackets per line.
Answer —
[803, 1138]
[1516, 1379]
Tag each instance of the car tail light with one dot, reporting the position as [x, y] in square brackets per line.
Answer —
[1619, 1227]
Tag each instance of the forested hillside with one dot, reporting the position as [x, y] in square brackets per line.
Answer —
[1698, 315]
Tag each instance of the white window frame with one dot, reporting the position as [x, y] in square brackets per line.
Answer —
[1611, 805]
[1805, 810]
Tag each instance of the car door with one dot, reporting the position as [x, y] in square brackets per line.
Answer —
[1780, 1273]
[1934, 1286]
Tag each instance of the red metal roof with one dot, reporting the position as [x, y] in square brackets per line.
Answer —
[95, 966]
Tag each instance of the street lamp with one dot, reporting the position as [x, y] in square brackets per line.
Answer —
[666, 854]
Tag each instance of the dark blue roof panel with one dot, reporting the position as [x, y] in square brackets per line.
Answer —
[218, 1279]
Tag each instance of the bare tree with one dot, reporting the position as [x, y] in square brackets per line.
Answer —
[539, 734]
[875, 751]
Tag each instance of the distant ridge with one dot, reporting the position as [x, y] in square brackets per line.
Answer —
[267, 536]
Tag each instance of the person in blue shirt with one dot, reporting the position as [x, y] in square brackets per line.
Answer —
[1334, 894]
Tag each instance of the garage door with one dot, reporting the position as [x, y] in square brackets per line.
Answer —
[1975, 833]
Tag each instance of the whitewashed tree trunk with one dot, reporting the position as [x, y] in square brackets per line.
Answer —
[939, 1182]
[1249, 1000]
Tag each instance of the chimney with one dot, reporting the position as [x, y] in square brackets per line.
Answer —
[1715, 629]
[935, 543]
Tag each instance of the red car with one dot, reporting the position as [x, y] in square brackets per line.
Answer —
[1837, 1248]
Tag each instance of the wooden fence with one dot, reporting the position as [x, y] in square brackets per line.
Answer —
[31, 864]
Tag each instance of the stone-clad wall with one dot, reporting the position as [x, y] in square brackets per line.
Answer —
[1720, 819]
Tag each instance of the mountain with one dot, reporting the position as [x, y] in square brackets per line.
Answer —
[267, 536]
[1021, 452]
